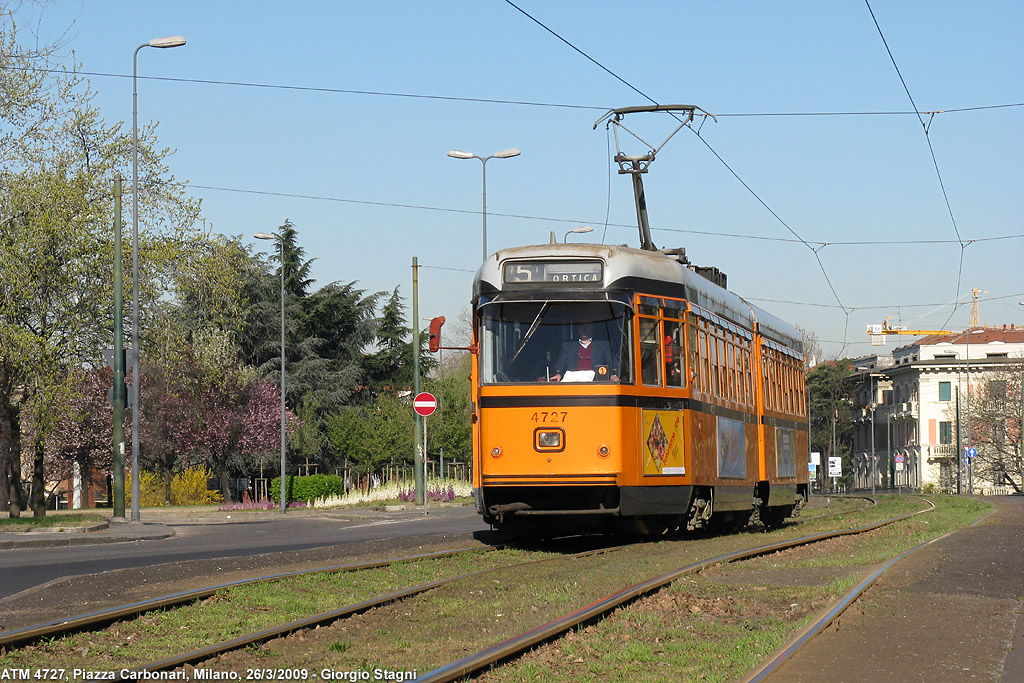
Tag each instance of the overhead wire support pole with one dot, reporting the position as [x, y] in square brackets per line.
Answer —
[419, 459]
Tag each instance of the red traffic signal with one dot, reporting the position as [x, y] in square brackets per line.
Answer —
[434, 343]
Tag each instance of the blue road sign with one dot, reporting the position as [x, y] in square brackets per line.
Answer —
[972, 453]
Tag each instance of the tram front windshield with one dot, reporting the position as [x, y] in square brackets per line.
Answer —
[545, 341]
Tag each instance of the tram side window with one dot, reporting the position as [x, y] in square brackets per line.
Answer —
[713, 362]
[650, 351]
[777, 371]
[768, 379]
[705, 360]
[694, 353]
[734, 386]
[722, 376]
[674, 354]
[790, 386]
[748, 374]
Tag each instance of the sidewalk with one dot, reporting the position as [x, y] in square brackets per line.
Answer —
[106, 532]
[951, 611]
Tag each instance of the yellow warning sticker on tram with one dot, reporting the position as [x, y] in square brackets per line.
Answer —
[663, 442]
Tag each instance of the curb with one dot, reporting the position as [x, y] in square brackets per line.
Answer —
[119, 533]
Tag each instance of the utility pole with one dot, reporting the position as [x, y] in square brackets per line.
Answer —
[418, 421]
[119, 393]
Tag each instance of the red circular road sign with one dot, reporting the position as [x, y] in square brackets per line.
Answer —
[424, 404]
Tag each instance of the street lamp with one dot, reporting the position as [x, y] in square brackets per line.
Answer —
[580, 230]
[504, 154]
[284, 501]
[873, 396]
[168, 41]
[970, 438]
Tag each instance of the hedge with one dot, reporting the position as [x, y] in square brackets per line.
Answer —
[308, 488]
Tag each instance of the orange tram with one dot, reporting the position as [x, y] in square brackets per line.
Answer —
[690, 409]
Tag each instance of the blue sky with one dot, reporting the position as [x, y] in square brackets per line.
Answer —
[388, 191]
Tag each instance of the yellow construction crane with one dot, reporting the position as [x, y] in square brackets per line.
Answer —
[975, 320]
[878, 332]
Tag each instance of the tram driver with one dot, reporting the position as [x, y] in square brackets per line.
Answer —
[585, 359]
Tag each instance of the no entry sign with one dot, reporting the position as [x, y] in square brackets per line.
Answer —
[424, 404]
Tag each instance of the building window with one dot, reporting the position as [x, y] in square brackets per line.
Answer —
[999, 433]
[997, 389]
[945, 433]
[945, 391]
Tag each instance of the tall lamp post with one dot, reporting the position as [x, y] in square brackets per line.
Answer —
[168, 41]
[284, 501]
[504, 154]
[965, 361]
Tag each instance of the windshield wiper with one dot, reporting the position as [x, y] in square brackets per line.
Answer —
[529, 333]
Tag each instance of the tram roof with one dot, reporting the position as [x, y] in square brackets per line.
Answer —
[650, 272]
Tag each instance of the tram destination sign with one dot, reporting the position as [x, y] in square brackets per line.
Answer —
[532, 272]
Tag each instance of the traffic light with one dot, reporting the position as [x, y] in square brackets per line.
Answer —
[434, 343]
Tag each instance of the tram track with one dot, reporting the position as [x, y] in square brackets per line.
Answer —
[516, 645]
[60, 627]
[505, 650]
[56, 628]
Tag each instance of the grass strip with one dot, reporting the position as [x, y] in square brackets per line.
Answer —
[754, 615]
[720, 624]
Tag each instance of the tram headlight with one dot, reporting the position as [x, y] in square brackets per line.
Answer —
[548, 440]
[496, 452]
[603, 451]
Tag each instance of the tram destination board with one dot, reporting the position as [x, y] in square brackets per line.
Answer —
[560, 272]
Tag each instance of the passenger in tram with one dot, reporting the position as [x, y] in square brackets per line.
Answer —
[585, 359]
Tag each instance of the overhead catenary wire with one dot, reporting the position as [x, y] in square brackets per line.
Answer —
[482, 100]
[814, 251]
[815, 246]
[580, 221]
[935, 161]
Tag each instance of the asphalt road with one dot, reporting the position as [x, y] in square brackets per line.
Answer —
[268, 541]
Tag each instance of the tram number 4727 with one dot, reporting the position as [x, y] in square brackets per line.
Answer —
[545, 416]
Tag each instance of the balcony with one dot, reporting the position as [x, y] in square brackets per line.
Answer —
[905, 410]
[940, 453]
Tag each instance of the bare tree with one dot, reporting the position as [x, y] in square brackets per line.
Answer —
[995, 406]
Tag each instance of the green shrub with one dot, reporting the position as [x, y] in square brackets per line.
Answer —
[313, 487]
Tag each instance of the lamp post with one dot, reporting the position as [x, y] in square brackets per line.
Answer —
[504, 154]
[872, 385]
[580, 230]
[284, 501]
[965, 361]
[168, 41]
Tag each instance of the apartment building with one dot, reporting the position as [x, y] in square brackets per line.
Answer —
[907, 407]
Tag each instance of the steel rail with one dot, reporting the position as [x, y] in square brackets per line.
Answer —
[873, 502]
[60, 627]
[135, 673]
[802, 637]
[470, 664]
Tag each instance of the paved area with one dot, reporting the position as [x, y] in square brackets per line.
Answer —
[953, 611]
[157, 523]
[113, 532]
[949, 612]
